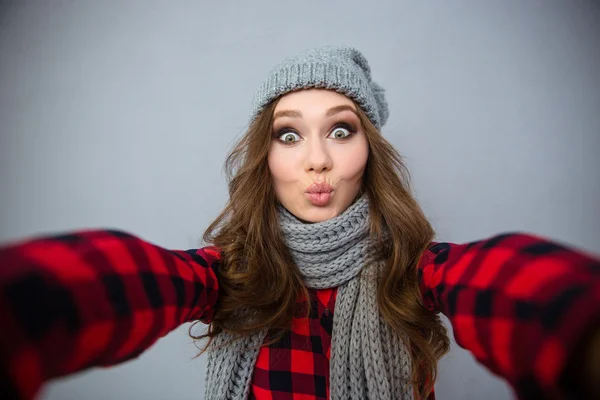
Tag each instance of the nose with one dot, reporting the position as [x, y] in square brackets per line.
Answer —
[318, 158]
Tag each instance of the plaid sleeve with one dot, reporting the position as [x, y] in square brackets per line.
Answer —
[519, 303]
[92, 298]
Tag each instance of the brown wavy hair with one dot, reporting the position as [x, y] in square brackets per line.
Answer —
[257, 272]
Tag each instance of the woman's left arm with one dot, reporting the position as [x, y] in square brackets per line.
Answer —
[527, 308]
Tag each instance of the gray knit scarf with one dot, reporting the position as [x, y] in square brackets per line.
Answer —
[368, 359]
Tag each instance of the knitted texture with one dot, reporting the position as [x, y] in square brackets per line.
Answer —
[343, 69]
[368, 359]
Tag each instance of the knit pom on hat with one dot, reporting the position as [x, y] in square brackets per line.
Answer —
[343, 69]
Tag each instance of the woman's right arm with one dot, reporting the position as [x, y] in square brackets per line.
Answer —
[93, 298]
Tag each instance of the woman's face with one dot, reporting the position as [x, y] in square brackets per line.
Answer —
[318, 153]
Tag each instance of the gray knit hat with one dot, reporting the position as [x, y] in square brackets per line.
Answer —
[343, 69]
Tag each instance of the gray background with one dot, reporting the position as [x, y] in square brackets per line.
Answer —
[119, 114]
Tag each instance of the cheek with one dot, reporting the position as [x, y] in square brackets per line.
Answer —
[353, 161]
[281, 165]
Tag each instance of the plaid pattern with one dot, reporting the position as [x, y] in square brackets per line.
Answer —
[92, 298]
[518, 302]
[297, 366]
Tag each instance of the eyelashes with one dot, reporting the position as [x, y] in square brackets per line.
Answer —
[350, 127]
[345, 125]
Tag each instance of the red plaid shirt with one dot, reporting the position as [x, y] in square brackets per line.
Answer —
[519, 303]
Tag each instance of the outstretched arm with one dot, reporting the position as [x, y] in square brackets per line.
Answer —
[521, 304]
[93, 298]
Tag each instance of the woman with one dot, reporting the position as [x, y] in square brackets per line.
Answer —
[322, 280]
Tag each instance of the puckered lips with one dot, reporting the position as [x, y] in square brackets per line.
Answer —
[319, 193]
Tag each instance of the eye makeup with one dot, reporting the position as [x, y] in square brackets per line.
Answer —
[351, 127]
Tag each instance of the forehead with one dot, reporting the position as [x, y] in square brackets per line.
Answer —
[312, 99]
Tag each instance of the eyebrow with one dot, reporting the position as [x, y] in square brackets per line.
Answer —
[339, 109]
[329, 113]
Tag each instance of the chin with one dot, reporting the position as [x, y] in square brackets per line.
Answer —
[313, 214]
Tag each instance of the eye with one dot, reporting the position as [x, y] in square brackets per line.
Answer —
[340, 132]
[289, 137]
